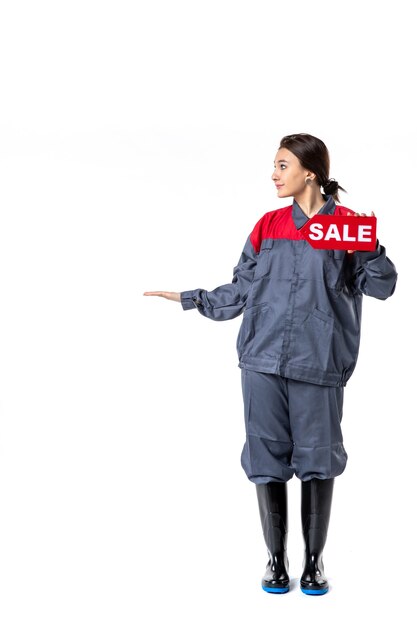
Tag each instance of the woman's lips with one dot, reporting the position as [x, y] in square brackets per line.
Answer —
[279, 186]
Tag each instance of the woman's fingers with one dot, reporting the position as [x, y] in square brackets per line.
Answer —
[361, 214]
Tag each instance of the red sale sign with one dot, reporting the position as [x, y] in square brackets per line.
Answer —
[340, 232]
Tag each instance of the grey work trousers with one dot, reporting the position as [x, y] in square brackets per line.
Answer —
[291, 427]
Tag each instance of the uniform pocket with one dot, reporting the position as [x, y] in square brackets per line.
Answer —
[314, 342]
[263, 263]
[251, 328]
[335, 268]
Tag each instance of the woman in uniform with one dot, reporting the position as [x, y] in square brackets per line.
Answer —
[297, 346]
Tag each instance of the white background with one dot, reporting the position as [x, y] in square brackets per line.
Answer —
[136, 150]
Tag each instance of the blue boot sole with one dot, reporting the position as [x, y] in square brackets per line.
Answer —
[276, 589]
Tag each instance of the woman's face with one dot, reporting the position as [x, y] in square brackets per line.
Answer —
[289, 177]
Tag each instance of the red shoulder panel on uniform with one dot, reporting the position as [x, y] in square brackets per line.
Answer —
[277, 224]
[342, 210]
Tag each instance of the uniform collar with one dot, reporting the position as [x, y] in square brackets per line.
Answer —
[300, 218]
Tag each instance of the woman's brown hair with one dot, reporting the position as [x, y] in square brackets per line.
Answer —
[314, 156]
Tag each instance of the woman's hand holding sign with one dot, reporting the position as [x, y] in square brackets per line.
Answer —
[358, 215]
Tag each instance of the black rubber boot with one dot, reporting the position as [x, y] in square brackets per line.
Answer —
[316, 502]
[272, 500]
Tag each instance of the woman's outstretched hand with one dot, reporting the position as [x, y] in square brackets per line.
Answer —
[169, 295]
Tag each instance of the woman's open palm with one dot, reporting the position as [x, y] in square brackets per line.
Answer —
[169, 295]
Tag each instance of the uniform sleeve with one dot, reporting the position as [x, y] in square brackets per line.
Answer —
[374, 274]
[227, 301]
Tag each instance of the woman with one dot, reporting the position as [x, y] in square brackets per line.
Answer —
[298, 346]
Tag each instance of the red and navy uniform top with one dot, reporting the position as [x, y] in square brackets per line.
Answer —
[301, 306]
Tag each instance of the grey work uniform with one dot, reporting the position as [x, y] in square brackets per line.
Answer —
[298, 342]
